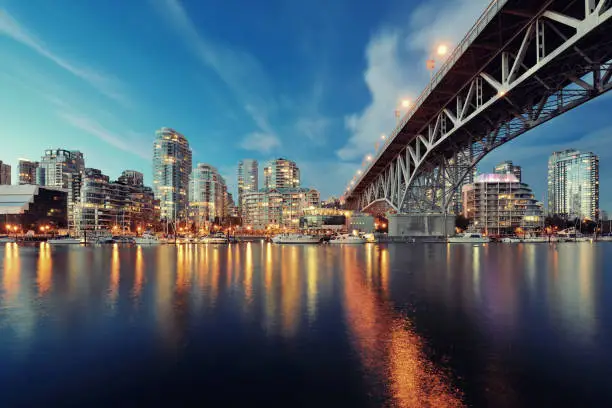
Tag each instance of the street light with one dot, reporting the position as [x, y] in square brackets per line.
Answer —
[405, 104]
[441, 51]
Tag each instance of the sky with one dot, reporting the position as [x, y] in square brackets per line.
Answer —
[316, 82]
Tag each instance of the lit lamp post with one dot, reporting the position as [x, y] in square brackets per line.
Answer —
[404, 104]
[441, 51]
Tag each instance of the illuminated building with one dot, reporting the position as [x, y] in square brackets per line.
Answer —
[500, 203]
[278, 207]
[125, 204]
[323, 219]
[57, 168]
[27, 171]
[5, 174]
[361, 222]
[573, 184]
[248, 179]
[281, 173]
[29, 207]
[208, 197]
[508, 167]
[171, 170]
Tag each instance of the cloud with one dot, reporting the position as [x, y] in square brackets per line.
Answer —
[325, 176]
[395, 69]
[314, 128]
[103, 83]
[240, 71]
[260, 142]
[126, 143]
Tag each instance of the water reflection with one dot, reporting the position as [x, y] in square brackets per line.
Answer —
[422, 325]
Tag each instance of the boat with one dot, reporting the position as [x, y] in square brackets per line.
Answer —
[123, 240]
[469, 238]
[295, 239]
[347, 239]
[218, 238]
[511, 240]
[64, 241]
[535, 239]
[147, 239]
[4, 240]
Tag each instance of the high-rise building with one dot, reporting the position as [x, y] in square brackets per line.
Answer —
[5, 174]
[57, 165]
[508, 167]
[278, 207]
[171, 170]
[248, 178]
[500, 203]
[573, 184]
[208, 197]
[281, 173]
[27, 171]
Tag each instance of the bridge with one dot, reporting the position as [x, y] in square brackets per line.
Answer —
[522, 64]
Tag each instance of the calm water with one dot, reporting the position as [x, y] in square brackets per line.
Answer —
[253, 324]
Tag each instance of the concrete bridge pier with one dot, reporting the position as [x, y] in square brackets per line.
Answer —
[421, 225]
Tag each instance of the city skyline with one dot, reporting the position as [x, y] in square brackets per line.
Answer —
[326, 118]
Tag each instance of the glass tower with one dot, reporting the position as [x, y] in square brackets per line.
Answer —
[282, 173]
[508, 167]
[171, 170]
[573, 184]
[207, 196]
[248, 178]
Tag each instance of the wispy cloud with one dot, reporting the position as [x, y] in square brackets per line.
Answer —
[240, 71]
[396, 69]
[105, 84]
[128, 143]
[260, 142]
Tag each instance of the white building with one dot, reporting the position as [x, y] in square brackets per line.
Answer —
[208, 196]
[248, 179]
[281, 173]
[171, 170]
[59, 167]
[278, 207]
[573, 184]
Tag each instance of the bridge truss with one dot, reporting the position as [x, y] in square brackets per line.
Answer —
[532, 64]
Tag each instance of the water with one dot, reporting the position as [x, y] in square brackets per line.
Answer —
[255, 324]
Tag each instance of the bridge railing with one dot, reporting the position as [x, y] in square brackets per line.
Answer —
[491, 11]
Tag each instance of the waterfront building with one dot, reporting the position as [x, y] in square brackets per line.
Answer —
[27, 171]
[30, 207]
[5, 174]
[508, 167]
[123, 205]
[573, 184]
[362, 222]
[208, 196]
[232, 209]
[248, 179]
[171, 170]
[281, 173]
[57, 167]
[323, 219]
[277, 207]
[500, 203]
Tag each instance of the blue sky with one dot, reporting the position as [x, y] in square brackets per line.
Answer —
[313, 81]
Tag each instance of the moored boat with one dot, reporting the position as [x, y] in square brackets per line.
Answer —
[147, 239]
[64, 241]
[4, 240]
[511, 240]
[295, 239]
[469, 238]
[218, 238]
[347, 239]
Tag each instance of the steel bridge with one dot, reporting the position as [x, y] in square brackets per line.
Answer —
[522, 64]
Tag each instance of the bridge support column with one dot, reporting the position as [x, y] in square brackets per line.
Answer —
[421, 225]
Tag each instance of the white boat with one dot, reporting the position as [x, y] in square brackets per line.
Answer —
[347, 239]
[218, 238]
[147, 239]
[469, 238]
[605, 238]
[511, 240]
[64, 241]
[535, 240]
[4, 240]
[295, 239]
